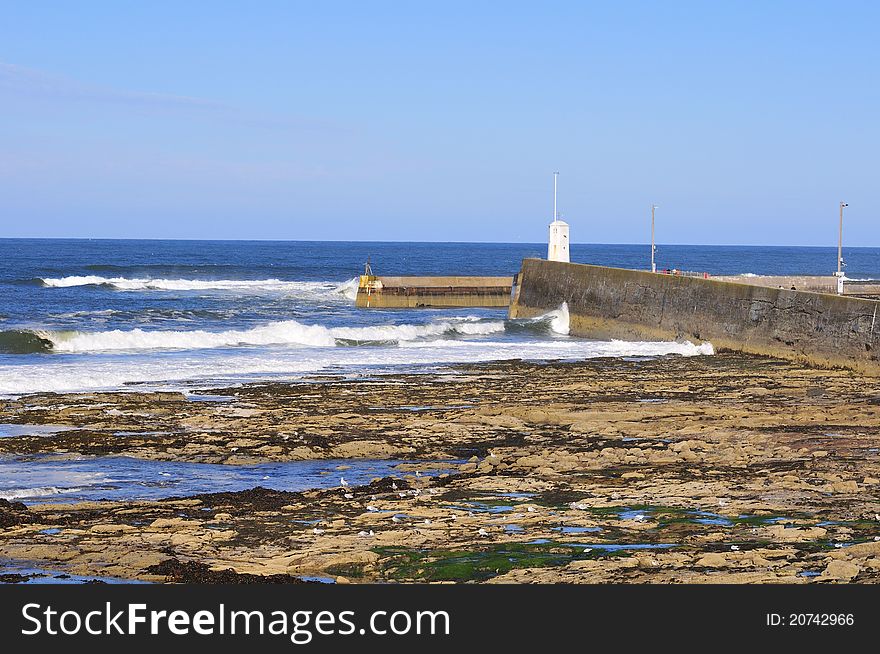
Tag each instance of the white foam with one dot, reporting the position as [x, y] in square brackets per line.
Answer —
[559, 319]
[40, 491]
[64, 282]
[171, 370]
[651, 348]
[288, 332]
[403, 333]
[346, 289]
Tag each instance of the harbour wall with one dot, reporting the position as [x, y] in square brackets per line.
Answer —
[812, 283]
[614, 303]
[869, 288]
[386, 292]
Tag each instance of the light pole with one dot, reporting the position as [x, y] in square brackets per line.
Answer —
[840, 263]
[653, 247]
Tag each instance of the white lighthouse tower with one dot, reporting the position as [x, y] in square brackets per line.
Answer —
[557, 245]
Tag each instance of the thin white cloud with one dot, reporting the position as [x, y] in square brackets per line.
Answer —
[25, 82]
[21, 80]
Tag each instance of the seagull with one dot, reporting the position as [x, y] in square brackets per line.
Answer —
[394, 518]
[317, 531]
[531, 509]
[482, 532]
[364, 534]
[371, 508]
[639, 518]
[348, 496]
[393, 485]
[418, 474]
[427, 522]
[588, 549]
[735, 548]
[342, 481]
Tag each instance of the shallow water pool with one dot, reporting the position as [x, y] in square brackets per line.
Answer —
[47, 478]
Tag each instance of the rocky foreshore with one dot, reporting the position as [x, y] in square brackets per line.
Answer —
[725, 468]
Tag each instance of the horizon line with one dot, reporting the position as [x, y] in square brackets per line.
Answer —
[292, 240]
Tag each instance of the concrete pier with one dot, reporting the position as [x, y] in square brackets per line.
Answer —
[382, 292]
[811, 283]
[613, 303]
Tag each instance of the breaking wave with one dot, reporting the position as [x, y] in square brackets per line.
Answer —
[289, 349]
[39, 491]
[554, 322]
[287, 332]
[21, 341]
[210, 367]
[346, 289]
[281, 333]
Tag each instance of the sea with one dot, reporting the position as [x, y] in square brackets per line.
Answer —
[84, 315]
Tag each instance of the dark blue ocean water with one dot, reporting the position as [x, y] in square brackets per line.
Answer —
[80, 314]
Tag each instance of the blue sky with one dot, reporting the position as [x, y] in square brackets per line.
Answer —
[747, 122]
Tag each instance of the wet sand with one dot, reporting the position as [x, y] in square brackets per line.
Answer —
[726, 468]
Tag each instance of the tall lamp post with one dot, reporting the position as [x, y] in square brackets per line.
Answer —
[840, 262]
[653, 247]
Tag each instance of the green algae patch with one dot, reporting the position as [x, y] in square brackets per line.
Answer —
[354, 570]
[478, 564]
